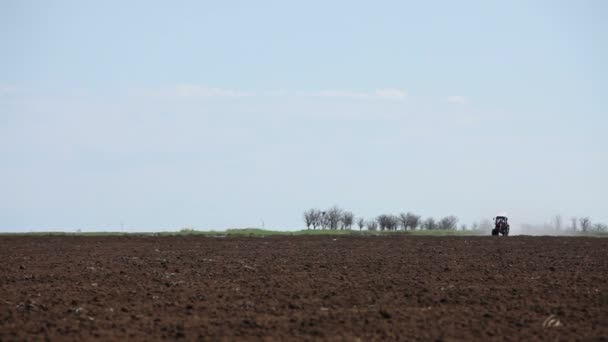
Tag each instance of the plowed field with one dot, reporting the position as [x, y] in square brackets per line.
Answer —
[321, 287]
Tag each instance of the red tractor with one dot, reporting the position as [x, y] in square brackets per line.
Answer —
[501, 226]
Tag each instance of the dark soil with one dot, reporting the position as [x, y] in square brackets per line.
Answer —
[285, 288]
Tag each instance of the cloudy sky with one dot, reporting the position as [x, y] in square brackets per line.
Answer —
[158, 115]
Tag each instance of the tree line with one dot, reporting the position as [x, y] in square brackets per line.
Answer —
[577, 224]
[336, 218]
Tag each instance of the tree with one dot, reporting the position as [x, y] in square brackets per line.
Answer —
[585, 224]
[393, 222]
[412, 221]
[448, 223]
[402, 219]
[333, 217]
[361, 223]
[557, 222]
[600, 227]
[308, 218]
[574, 220]
[312, 217]
[348, 219]
[388, 222]
[429, 224]
[316, 218]
[381, 219]
[323, 220]
[475, 226]
[371, 225]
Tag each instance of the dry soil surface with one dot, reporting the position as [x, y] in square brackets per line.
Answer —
[285, 288]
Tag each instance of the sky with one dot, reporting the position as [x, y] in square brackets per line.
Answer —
[158, 115]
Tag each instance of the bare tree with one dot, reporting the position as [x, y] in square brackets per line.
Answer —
[312, 217]
[309, 217]
[348, 219]
[557, 222]
[371, 225]
[393, 222]
[600, 227]
[316, 218]
[412, 221]
[388, 222]
[402, 218]
[323, 221]
[573, 225]
[361, 223]
[448, 223]
[585, 224]
[475, 226]
[429, 224]
[333, 217]
[381, 219]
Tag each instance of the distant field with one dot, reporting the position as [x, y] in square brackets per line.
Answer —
[150, 287]
[306, 232]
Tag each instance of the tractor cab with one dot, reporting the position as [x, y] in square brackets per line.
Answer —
[501, 220]
[501, 226]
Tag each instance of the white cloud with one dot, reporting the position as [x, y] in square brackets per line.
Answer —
[9, 90]
[191, 91]
[391, 94]
[456, 99]
[380, 94]
[195, 91]
[338, 94]
[276, 92]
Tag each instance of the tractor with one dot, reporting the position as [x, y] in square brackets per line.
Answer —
[501, 226]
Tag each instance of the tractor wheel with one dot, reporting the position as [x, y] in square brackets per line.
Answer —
[494, 232]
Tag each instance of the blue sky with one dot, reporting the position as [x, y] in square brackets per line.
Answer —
[159, 115]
